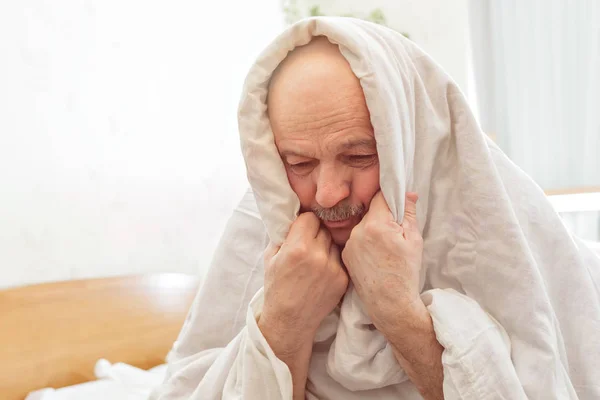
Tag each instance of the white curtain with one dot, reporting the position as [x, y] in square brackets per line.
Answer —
[537, 75]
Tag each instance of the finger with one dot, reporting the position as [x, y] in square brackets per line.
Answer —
[324, 237]
[335, 262]
[271, 250]
[334, 256]
[409, 222]
[334, 251]
[410, 207]
[379, 209]
[340, 258]
[306, 226]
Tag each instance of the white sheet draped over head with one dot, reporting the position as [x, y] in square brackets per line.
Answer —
[514, 298]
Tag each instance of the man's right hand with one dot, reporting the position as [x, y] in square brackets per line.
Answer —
[304, 282]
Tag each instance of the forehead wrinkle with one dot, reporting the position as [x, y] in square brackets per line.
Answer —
[324, 125]
[333, 144]
[313, 118]
[305, 114]
[350, 140]
[295, 147]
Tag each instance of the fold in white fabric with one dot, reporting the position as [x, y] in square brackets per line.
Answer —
[513, 297]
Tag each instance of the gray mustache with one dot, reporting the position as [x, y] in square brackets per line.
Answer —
[339, 212]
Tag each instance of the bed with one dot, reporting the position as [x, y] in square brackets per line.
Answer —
[53, 335]
[68, 334]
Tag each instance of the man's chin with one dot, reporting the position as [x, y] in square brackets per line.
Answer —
[340, 236]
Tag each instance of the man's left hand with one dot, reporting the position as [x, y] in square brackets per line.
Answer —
[383, 259]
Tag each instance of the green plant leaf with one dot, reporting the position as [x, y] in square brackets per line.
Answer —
[377, 16]
[292, 14]
[315, 11]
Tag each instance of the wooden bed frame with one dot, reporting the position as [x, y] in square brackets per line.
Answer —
[52, 334]
[577, 190]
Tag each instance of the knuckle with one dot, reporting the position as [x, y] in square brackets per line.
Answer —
[372, 229]
[297, 252]
[320, 258]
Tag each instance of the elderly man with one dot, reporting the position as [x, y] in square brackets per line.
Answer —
[340, 282]
[323, 132]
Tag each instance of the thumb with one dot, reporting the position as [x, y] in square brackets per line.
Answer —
[379, 209]
[410, 210]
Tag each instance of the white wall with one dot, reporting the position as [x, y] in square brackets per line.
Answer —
[118, 141]
[439, 27]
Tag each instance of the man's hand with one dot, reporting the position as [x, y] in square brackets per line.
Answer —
[304, 282]
[304, 279]
[383, 259]
[384, 262]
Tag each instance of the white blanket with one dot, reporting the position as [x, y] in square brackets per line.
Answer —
[115, 382]
[513, 297]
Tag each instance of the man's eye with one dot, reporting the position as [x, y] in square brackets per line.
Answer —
[300, 165]
[362, 160]
[301, 168]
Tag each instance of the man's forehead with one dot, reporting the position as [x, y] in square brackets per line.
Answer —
[315, 68]
[315, 102]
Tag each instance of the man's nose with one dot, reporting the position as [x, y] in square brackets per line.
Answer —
[332, 186]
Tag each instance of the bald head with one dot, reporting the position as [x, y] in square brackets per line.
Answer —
[311, 75]
[323, 133]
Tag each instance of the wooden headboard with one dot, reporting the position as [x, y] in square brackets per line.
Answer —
[52, 334]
